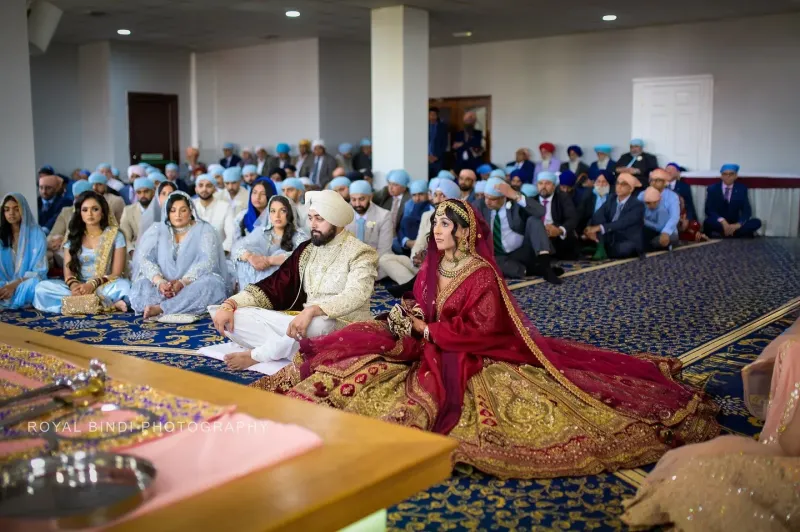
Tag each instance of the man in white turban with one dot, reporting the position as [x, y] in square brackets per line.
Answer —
[320, 171]
[329, 280]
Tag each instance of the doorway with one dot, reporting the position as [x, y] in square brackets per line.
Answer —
[674, 116]
[451, 112]
[153, 128]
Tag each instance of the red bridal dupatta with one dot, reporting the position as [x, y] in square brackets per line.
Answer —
[520, 404]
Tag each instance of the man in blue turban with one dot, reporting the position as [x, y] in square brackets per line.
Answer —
[145, 190]
[638, 163]
[411, 217]
[728, 211]
[560, 218]
[172, 173]
[603, 162]
[282, 160]
[394, 196]
[363, 159]
[483, 171]
[372, 224]
[576, 166]
[237, 195]
[229, 158]
[115, 204]
[512, 219]
[341, 185]
[344, 159]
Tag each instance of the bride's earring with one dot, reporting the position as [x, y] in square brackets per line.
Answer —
[462, 246]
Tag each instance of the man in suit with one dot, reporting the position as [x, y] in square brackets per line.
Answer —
[229, 158]
[132, 216]
[466, 182]
[728, 212]
[468, 144]
[304, 159]
[575, 165]
[372, 224]
[282, 160]
[522, 162]
[319, 166]
[638, 163]
[187, 168]
[603, 162]
[560, 217]
[115, 203]
[263, 163]
[394, 196]
[681, 189]
[363, 159]
[512, 218]
[619, 222]
[171, 172]
[437, 142]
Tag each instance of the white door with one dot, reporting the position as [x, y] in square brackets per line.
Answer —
[674, 117]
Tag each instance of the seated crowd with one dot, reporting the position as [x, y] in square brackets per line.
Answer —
[179, 241]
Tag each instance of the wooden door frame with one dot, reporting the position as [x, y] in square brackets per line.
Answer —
[174, 150]
[459, 104]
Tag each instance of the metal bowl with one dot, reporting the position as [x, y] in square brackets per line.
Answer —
[71, 491]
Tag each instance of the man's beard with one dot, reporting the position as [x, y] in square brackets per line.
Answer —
[145, 202]
[204, 196]
[361, 209]
[543, 196]
[320, 239]
[465, 188]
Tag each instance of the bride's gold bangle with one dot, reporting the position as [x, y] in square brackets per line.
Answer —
[426, 334]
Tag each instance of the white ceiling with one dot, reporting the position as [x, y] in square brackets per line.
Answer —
[216, 24]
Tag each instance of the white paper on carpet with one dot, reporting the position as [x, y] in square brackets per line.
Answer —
[218, 351]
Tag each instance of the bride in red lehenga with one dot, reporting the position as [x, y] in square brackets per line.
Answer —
[460, 358]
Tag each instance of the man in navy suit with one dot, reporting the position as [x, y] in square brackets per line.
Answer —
[728, 212]
[522, 162]
[468, 144]
[681, 189]
[230, 159]
[437, 142]
[50, 201]
[619, 224]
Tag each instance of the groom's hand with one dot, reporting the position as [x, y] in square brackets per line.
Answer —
[223, 320]
[299, 326]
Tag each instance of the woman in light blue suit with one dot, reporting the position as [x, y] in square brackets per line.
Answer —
[94, 259]
[23, 253]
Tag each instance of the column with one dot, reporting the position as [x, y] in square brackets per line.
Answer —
[18, 170]
[400, 43]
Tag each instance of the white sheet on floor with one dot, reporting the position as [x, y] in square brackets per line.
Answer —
[219, 351]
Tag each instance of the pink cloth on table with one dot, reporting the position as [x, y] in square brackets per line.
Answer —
[191, 462]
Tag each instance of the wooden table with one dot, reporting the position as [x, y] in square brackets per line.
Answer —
[363, 466]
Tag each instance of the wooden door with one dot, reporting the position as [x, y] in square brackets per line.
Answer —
[451, 111]
[153, 128]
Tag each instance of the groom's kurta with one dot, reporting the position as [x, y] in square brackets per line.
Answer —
[339, 277]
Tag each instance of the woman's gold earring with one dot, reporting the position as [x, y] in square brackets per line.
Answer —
[462, 245]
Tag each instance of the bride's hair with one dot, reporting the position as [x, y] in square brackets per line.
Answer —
[453, 215]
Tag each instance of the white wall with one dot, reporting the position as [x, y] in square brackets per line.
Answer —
[18, 168]
[56, 99]
[344, 92]
[143, 68]
[578, 89]
[263, 94]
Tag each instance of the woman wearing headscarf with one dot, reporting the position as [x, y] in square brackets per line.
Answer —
[256, 213]
[23, 253]
[180, 265]
[260, 253]
[94, 259]
[152, 214]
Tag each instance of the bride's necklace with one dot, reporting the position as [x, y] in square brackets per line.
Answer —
[450, 272]
[181, 230]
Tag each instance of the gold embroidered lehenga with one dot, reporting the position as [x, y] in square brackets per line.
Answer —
[521, 405]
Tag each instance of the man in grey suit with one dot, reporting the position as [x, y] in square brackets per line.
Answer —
[372, 224]
[319, 166]
[619, 223]
[394, 195]
[517, 231]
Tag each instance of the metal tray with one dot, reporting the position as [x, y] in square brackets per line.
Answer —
[69, 491]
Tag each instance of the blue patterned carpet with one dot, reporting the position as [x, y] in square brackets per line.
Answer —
[670, 304]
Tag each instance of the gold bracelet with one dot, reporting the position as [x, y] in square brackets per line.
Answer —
[426, 334]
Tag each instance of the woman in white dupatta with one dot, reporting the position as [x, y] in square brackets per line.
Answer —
[179, 266]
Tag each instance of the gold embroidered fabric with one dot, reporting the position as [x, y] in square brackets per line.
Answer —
[252, 296]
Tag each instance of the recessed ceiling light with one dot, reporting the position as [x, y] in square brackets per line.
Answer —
[123, 32]
[610, 18]
[463, 34]
[292, 14]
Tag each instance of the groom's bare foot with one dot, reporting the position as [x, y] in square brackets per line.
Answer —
[239, 361]
[152, 311]
[121, 306]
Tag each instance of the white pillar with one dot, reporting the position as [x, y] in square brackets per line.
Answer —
[400, 42]
[18, 168]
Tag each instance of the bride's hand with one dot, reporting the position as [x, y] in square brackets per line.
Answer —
[418, 325]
